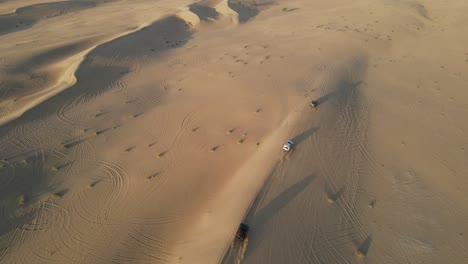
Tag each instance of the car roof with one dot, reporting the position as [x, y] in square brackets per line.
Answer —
[244, 226]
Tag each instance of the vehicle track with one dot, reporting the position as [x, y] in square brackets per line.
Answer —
[345, 111]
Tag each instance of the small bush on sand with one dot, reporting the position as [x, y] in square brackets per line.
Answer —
[360, 254]
[55, 196]
[22, 199]
[58, 195]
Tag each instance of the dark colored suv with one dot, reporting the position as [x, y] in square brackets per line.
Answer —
[242, 232]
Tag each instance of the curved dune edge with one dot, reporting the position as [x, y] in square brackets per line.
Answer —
[221, 7]
[67, 78]
[15, 9]
[8, 12]
[224, 9]
[189, 17]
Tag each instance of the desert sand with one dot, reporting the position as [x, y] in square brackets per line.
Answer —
[145, 131]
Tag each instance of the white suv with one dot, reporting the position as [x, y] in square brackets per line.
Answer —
[288, 145]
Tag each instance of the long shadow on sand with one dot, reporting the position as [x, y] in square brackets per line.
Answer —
[343, 86]
[94, 77]
[25, 17]
[274, 206]
[51, 56]
[259, 218]
[27, 176]
[247, 10]
[204, 12]
[305, 135]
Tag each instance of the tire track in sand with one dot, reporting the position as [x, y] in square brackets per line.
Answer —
[114, 196]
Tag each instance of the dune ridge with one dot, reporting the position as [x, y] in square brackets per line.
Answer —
[10, 7]
[146, 131]
[67, 77]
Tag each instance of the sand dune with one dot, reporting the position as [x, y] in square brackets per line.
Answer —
[146, 131]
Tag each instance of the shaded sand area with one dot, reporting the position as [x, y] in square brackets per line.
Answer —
[146, 131]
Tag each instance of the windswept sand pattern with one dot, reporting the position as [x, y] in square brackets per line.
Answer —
[145, 131]
[141, 241]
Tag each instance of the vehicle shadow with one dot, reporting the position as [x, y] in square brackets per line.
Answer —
[258, 219]
[305, 135]
[343, 84]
